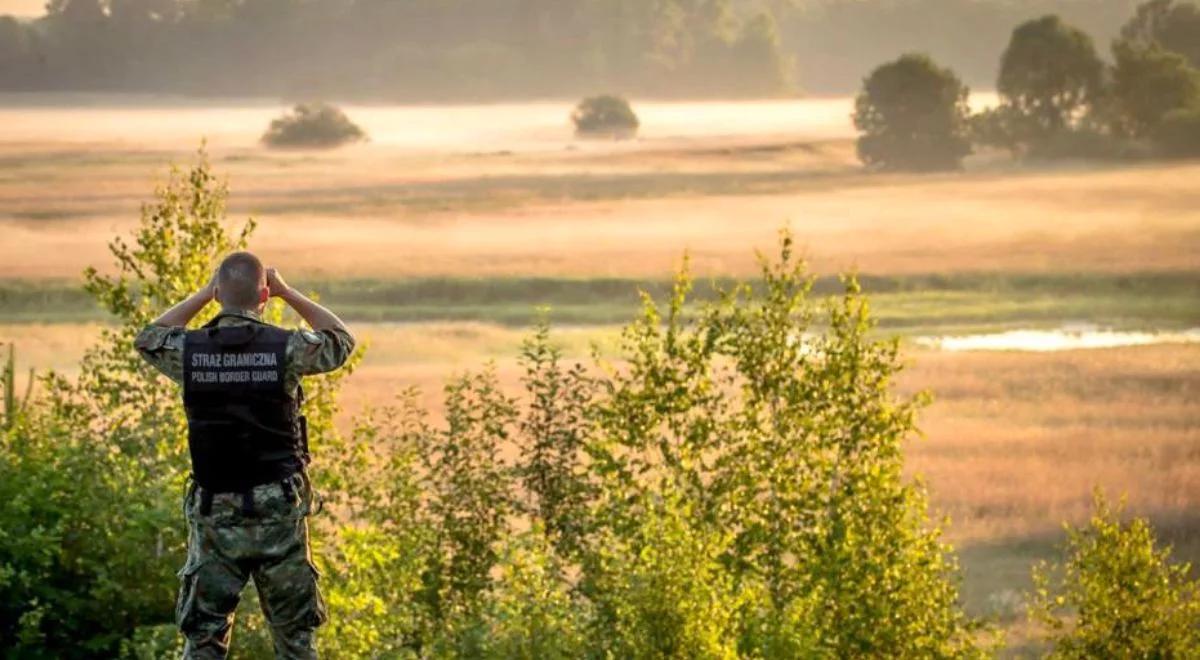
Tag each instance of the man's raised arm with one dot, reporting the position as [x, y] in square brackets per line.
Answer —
[183, 312]
[317, 316]
[327, 346]
[161, 342]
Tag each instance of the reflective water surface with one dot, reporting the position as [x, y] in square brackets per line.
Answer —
[1061, 339]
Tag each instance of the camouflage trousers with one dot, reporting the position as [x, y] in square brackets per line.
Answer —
[228, 546]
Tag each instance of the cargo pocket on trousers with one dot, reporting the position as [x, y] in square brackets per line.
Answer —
[185, 603]
[319, 614]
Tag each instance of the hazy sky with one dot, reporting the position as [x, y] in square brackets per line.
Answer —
[23, 7]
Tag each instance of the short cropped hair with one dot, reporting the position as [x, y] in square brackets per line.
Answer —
[239, 279]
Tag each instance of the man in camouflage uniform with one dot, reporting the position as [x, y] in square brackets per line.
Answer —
[250, 496]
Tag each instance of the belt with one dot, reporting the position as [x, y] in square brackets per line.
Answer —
[206, 494]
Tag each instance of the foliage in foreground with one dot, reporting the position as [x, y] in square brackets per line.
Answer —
[313, 126]
[731, 488]
[1118, 595]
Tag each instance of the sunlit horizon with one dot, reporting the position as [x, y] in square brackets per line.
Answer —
[23, 8]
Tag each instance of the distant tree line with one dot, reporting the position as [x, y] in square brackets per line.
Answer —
[1058, 98]
[417, 49]
[430, 49]
[835, 41]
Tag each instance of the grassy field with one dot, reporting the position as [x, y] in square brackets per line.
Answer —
[388, 214]
[906, 304]
[441, 255]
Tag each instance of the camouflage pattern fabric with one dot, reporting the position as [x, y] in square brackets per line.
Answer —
[308, 352]
[227, 548]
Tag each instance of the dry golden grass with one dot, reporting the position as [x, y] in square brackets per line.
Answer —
[390, 213]
[1016, 441]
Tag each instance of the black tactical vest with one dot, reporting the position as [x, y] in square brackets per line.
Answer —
[244, 427]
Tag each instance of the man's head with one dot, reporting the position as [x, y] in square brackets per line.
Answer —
[242, 282]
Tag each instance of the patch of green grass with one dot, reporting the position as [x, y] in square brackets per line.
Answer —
[85, 158]
[905, 305]
[511, 191]
[24, 301]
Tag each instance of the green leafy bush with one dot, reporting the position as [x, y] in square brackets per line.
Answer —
[533, 613]
[661, 590]
[554, 434]
[313, 126]
[1006, 128]
[1117, 595]
[605, 116]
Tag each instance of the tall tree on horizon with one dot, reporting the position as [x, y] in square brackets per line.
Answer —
[1050, 73]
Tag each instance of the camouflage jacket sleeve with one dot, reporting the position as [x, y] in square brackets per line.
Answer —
[162, 347]
[318, 351]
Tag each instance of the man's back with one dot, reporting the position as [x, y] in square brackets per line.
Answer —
[250, 495]
[308, 352]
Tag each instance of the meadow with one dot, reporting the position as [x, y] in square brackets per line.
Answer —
[441, 250]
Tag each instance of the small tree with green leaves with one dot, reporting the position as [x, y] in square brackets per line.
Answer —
[532, 612]
[765, 424]
[554, 433]
[378, 547]
[470, 490]
[660, 587]
[912, 115]
[1117, 595]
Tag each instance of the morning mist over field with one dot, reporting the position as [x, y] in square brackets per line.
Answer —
[681, 328]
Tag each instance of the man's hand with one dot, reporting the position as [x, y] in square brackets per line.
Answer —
[184, 311]
[275, 283]
[210, 290]
[315, 315]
